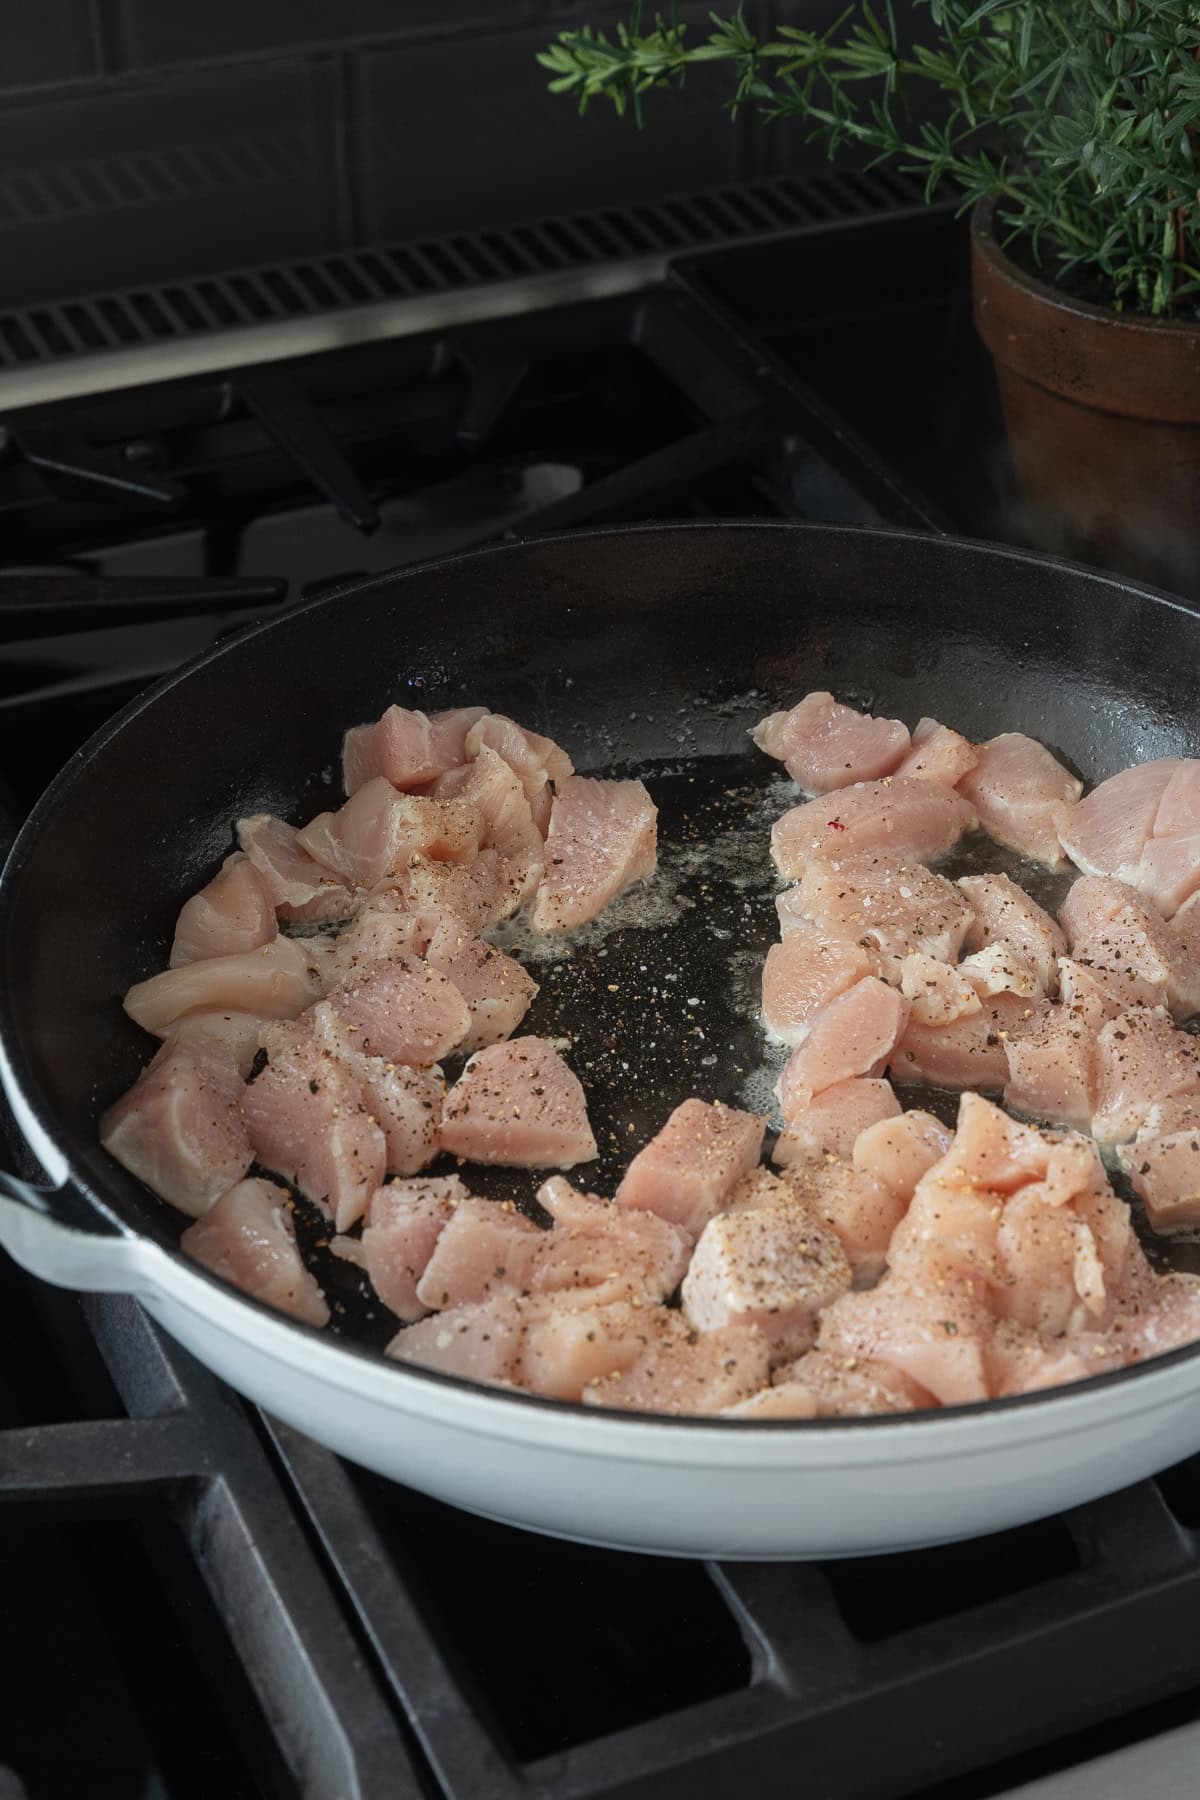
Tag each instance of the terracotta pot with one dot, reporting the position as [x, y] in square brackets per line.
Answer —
[1103, 417]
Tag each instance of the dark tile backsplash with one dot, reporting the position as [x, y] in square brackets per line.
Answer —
[147, 139]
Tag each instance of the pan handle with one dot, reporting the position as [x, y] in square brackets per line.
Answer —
[48, 1232]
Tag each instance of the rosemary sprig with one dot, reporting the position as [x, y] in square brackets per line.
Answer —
[1078, 116]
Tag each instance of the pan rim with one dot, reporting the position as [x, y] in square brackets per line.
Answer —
[25, 1097]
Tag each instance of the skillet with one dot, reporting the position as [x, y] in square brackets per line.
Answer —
[648, 650]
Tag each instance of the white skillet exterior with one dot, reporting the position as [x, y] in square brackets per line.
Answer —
[807, 1489]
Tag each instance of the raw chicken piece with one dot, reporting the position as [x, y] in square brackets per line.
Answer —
[478, 1343]
[938, 1339]
[495, 987]
[902, 819]
[301, 889]
[1107, 831]
[701, 1372]
[1169, 872]
[379, 830]
[851, 1387]
[403, 1223]
[1162, 1317]
[897, 1152]
[179, 1128]
[479, 893]
[575, 1343]
[1004, 914]
[1112, 927]
[999, 970]
[614, 1251]
[603, 838]
[233, 913]
[404, 1011]
[946, 1241]
[773, 1267]
[1053, 1278]
[969, 1053]
[1141, 1058]
[490, 786]
[408, 748]
[999, 1154]
[1163, 1164]
[854, 1035]
[405, 1102]
[937, 994]
[833, 1121]
[1022, 1362]
[802, 975]
[307, 1121]
[1022, 795]
[518, 1103]
[863, 1211]
[824, 745]
[380, 933]
[878, 904]
[790, 1400]
[248, 1238]
[1094, 994]
[1052, 1066]
[485, 1248]
[276, 982]
[938, 754]
[688, 1170]
[535, 760]
[231, 1036]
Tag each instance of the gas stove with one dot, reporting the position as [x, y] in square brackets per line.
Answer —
[217, 1604]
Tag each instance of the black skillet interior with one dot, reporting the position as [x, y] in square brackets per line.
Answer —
[647, 650]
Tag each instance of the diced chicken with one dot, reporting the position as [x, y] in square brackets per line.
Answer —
[937, 994]
[1000, 1154]
[1163, 1167]
[773, 1267]
[478, 893]
[999, 970]
[898, 1151]
[405, 1102]
[1162, 1317]
[484, 1249]
[574, 1343]
[689, 1169]
[403, 1223]
[946, 1241]
[404, 1011]
[377, 934]
[1023, 1362]
[613, 1251]
[478, 1343]
[1005, 915]
[603, 838]
[233, 1037]
[854, 1035]
[1141, 1058]
[1022, 795]
[830, 1125]
[850, 1387]
[380, 830]
[938, 1339]
[802, 975]
[1111, 927]
[179, 1128]
[863, 1211]
[938, 754]
[1094, 994]
[902, 819]
[488, 785]
[248, 1238]
[307, 1121]
[518, 1103]
[1107, 831]
[1053, 1277]
[277, 982]
[408, 748]
[535, 760]
[1168, 872]
[825, 746]
[876, 903]
[701, 1372]
[1052, 1067]
[233, 913]
[497, 990]
[301, 889]
[790, 1400]
[970, 1053]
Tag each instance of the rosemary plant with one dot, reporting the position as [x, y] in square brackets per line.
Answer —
[1077, 116]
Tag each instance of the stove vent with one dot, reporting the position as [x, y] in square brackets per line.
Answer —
[377, 292]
